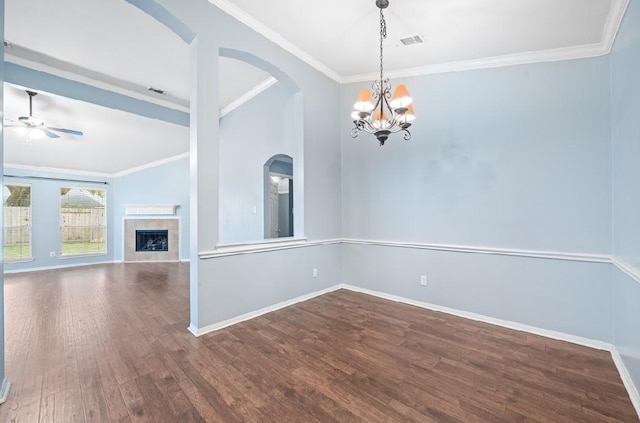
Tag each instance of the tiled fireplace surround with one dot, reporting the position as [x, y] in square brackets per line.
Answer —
[170, 224]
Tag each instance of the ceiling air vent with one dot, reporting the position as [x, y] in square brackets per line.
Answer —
[157, 91]
[416, 39]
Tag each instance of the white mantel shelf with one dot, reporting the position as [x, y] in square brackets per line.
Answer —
[151, 210]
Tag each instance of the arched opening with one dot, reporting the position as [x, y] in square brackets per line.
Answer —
[263, 129]
[278, 197]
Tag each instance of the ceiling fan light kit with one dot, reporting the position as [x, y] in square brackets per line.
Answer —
[34, 128]
[377, 112]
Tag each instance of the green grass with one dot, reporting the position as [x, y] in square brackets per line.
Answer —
[23, 251]
[75, 248]
[17, 252]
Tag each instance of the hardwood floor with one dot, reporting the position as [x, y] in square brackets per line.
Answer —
[109, 343]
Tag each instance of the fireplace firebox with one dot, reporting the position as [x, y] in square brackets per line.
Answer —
[152, 240]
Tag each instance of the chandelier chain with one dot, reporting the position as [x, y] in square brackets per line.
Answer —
[383, 35]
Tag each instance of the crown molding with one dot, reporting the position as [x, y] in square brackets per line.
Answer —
[243, 17]
[613, 23]
[57, 170]
[44, 63]
[150, 165]
[541, 56]
[97, 174]
[611, 27]
[247, 96]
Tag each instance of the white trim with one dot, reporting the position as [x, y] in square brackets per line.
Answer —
[151, 209]
[259, 242]
[4, 391]
[634, 396]
[612, 24]
[561, 336]
[98, 174]
[263, 247]
[629, 385]
[554, 255]
[240, 15]
[587, 342]
[253, 314]
[541, 56]
[41, 62]
[150, 165]
[62, 266]
[247, 96]
[57, 170]
[193, 329]
[630, 270]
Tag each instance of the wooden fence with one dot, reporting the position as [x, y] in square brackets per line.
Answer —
[77, 225]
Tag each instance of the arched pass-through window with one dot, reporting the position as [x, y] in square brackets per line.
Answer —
[260, 138]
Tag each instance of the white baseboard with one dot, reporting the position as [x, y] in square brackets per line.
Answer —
[587, 342]
[193, 329]
[4, 391]
[253, 314]
[626, 379]
[60, 266]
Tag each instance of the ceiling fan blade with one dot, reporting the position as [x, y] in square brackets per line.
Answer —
[48, 133]
[14, 125]
[66, 131]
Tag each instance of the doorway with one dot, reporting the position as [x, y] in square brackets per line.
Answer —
[278, 195]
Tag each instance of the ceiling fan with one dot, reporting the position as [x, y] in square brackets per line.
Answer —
[35, 127]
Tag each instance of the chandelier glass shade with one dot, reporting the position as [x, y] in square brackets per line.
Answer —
[378, 112]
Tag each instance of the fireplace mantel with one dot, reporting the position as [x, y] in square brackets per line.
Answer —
[151, 209]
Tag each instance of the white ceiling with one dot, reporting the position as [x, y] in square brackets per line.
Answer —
[113, 140]
[76, 38]
[341, 37]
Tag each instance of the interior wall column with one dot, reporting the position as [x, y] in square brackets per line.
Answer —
[203, 160]
[4, 390]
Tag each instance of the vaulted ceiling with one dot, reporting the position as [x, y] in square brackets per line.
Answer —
[113, 45]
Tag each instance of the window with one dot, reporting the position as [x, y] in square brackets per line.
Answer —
[17, 222]
[83, 221]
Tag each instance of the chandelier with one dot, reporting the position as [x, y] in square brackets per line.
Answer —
[377, 112]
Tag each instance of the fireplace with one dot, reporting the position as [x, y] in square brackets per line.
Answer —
[152, 240]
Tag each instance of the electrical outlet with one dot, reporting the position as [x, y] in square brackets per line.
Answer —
[315, 272]
[52, 254]
[423, 280]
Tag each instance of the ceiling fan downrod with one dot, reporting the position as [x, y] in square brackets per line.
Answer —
[31, 95]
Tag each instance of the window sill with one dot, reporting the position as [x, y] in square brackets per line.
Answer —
[264, 245]
[72, 256]
[25, 260]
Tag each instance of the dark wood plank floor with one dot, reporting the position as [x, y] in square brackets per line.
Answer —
[109, 343]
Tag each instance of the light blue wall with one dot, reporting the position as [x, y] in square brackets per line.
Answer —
[508, 158]
[249, 136]
[231, 286]
[45, 219]
[164, 184]
[559, 295]
[625, 112]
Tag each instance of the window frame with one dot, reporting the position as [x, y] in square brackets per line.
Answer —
[30, 226]
[62, 255]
